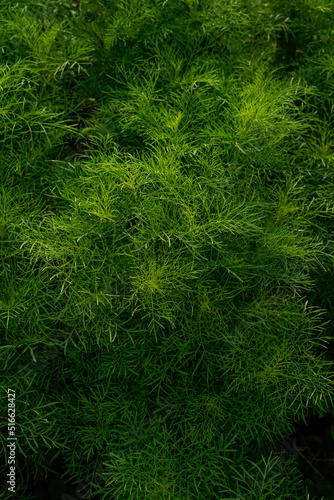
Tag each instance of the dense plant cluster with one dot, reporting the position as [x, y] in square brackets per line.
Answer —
[166, 205]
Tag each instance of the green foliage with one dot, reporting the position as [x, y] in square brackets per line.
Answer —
[166, 212]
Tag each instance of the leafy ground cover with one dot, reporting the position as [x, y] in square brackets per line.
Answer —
[166, 239]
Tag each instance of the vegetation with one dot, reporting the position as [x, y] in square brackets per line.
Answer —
[166, 215]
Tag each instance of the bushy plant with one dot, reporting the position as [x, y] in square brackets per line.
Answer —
[166, 208]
